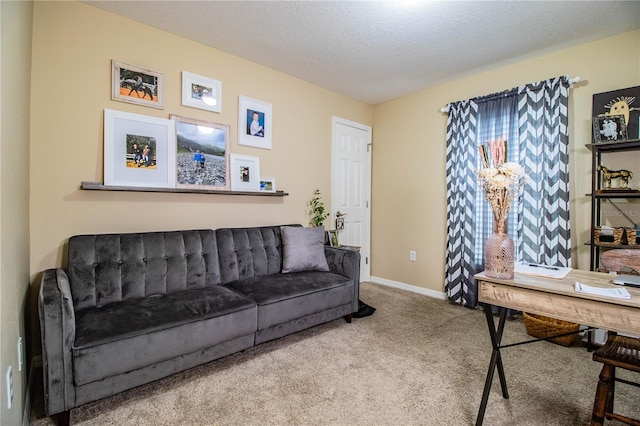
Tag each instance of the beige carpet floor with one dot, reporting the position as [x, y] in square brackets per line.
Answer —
[416, 361]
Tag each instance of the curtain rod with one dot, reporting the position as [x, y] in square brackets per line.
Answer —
[571, 82]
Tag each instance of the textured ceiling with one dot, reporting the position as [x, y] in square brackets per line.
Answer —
[377, 51]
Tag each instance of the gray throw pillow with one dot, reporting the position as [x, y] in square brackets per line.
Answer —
[303, 249]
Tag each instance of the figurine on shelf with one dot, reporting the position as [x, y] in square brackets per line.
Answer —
[624, 175]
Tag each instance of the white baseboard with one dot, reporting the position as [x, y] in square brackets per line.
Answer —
[409, 287]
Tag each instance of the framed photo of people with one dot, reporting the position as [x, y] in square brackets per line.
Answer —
[136, 85]
[201, 92]
[254, 123]
[609, 128]
[138, 150]
[245, 173]
[202, 154]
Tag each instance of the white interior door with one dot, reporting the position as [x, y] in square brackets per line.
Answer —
[351, 187]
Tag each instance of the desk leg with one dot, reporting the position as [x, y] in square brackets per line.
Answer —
[496, 360]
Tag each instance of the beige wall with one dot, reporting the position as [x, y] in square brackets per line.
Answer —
[73, 47]
[409, 188]
[15, 57]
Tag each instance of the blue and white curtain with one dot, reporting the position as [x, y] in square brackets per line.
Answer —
[533, 118]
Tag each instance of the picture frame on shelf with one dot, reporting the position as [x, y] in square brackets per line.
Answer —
[609, 128]
[202, 154]
[267, 185]
[620, 102]
[245, 172]
[254, 123]
[201, 92]
[139, 150]
[136, 85]
[333, 238]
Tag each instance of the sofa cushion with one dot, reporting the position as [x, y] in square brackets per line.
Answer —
[285, 297]
[110, 268]
[303, 249]
[124, 336]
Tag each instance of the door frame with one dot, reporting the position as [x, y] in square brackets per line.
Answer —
[365, 251]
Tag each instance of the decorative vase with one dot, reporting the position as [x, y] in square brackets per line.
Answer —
[499, 253]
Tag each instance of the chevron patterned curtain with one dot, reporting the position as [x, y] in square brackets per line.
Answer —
[537, 130]
[543, 219]
[461, 189]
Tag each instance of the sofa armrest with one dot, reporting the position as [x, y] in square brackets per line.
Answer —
[346, 263]
[57, 331]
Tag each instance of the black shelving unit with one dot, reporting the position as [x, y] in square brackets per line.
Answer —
[598, 194]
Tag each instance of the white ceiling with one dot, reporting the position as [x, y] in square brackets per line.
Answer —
[375, 51]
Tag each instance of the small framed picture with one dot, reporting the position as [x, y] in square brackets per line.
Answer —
[136, 85]
[138, 150]
[201, 92]
[267, 185]
[254, 123]
[609, 128]
[202, 154]
[245, 173]
[333, 238]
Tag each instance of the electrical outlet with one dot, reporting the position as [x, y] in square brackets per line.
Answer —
[412, 255]
[9, 387]
[20, 354]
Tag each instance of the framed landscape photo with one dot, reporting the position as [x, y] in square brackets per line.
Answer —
[138, 150]
[267, 185]
[245, 173]
[609, 128]
[254, 123]
[202, 154]
[201, 92]
[136, 85]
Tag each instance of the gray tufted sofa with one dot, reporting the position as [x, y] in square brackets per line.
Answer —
[133, 308]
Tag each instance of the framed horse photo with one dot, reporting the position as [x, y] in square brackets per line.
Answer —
[136, 85]
[609, 128]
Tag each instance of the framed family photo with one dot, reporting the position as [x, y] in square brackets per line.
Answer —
[245, 173]
[138, 150]
[201, 92]
[202, 154]
[609, 128]
[136, 85]
[254, 123]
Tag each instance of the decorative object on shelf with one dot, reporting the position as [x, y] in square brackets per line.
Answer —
[201, 92]
[136, 85]
[267, 184]
[500, 181]
[609, 128]
[608, 235]
[254, 123]
[245, 173]
[317, 210]
[620, 102]
[138, 150]
[623, 175]
[333, 238]
[202, 154]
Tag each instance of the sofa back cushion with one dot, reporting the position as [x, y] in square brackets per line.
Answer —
[249, 252]
[114, 267]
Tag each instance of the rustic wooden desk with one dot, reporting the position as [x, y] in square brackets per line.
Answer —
[554, 298]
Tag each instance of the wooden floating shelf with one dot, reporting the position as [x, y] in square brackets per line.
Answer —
[99, 186]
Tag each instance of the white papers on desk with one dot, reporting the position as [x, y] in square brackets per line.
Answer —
[539, 270]
[618, 292]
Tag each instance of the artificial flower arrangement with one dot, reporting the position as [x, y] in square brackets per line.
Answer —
[500, 180]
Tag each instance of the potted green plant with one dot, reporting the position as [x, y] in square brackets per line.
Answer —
[317, 210]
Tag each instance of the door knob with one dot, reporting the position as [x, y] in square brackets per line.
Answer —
[338, 214]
